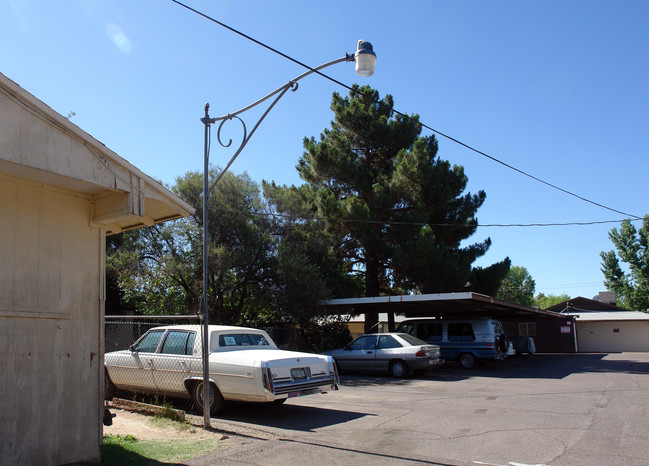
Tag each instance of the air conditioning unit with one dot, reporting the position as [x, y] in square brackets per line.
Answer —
[607, 297]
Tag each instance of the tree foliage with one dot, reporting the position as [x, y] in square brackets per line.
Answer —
[379, 213]
[263, 270]
[400, 211]
[631, 284]
[543, 301]
[517, 286]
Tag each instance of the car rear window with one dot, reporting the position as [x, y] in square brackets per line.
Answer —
[414, 341]
[242, 339]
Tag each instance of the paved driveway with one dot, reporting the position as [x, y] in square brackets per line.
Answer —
[545, 409]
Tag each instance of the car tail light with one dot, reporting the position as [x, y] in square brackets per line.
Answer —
[421, 353]
[267, 377]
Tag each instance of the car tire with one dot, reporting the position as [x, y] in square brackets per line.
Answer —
[398, 368]
[110, 390]
[279, 401]
[216, 399]
[468, 360]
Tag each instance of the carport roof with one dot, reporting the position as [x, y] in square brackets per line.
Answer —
[448, 305]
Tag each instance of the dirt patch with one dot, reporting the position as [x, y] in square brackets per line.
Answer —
[147, 427]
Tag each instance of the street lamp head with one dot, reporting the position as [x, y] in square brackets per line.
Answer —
[365, 59]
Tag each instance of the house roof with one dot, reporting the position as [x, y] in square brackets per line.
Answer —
[465, 304]
[585, 304]
[590, 310]
[41, 146]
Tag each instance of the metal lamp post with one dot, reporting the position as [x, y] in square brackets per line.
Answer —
[365, 62]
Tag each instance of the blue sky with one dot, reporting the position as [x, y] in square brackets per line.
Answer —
[556, 89]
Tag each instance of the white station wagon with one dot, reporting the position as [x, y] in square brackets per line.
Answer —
[244, 365]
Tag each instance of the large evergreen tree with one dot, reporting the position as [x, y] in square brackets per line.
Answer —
[401, 210]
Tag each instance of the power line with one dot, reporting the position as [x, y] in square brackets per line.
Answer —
[440, 133]
[422, 224]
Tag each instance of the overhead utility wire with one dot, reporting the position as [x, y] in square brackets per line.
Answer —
[440, 133]
[450, 138]
[423, 224]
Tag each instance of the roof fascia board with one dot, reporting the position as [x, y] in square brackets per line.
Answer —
[397, 299]
[110, 159]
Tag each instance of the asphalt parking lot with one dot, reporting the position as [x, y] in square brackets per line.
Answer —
[586, 409]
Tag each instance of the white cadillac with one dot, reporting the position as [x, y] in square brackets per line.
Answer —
[244, 365]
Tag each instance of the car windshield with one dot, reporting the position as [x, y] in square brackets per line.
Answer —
[414, 341]
[404, 328]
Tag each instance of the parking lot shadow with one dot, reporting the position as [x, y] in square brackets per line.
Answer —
[288, 416]
[539, 366]
[558, 366]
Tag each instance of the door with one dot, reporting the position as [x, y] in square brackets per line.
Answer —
[460, 338]
[133, 369]
[172, 364]
[360, 354]
[388, 348]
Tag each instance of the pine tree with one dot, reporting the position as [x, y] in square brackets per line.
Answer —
[401, 209]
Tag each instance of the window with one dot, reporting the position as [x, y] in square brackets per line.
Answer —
[460, 332]
[497, 326]
[413, 341]
[386, 341]
[527, 329]
[242, 339]
[363, 343]
[430, 332]
[149, 342]
[405, 328]
[179, 342]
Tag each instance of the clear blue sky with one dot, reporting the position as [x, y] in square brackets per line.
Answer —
[557, 89]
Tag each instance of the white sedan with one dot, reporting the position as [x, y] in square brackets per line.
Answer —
[244, 365]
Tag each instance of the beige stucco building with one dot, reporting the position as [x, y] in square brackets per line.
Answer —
[61, 193]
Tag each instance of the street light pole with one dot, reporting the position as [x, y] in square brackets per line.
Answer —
[365, 60]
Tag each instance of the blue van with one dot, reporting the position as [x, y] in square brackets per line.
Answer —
[468, 341]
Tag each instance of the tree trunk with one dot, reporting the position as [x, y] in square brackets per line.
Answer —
[371, 291]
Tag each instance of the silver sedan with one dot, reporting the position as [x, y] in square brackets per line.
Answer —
[396, 353]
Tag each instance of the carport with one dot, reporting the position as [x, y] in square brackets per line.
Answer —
[552, 332]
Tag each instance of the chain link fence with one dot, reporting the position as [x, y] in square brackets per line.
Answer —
[157, 370]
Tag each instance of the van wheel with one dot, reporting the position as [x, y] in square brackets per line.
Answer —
[216, 399]
[468, 360]
[398, 368]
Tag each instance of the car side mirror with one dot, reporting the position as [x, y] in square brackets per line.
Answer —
[348, 348]
[132, 348]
